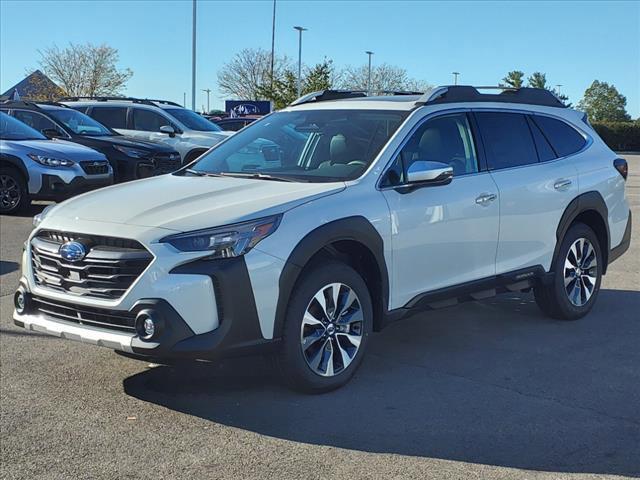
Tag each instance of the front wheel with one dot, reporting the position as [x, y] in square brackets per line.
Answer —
[326, 329]
[13, 191]
[577, 274]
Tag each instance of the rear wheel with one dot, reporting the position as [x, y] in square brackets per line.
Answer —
[577, 274]
[326, 330]
[13, 191]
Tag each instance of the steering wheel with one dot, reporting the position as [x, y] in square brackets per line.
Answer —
[358, 163]
[459, 165]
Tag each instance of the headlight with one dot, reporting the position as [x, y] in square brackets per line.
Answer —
[228, 241]
[50, 161]
[37, 219]
[132, 152]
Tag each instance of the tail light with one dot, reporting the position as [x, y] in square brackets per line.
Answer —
[620, 164]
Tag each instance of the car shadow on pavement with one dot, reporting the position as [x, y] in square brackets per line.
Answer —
[8, 267]
[492, 383]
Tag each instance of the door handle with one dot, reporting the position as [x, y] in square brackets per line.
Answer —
[486, 198]
[562, 184]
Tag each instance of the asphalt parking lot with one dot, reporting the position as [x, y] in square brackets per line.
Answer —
[482, 390]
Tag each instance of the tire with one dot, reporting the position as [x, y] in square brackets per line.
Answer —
[321, 351]
[14, 196]
[575, 298]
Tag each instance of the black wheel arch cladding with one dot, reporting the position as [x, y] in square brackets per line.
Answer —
[579, 206]
[7, 160]
[357, 229]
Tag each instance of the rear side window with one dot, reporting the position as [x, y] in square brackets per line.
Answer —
[114, 117]
[507, 139]
[545, 152]
[564, 139]
[148, 120]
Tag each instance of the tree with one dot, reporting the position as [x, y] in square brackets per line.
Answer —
[249, 72]
[514, 79]
[602, 102]
[85, 70]
[384, 78]
[284, 89]
[537, 80]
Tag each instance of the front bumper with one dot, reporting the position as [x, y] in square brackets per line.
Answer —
[237, 333]
[53, 187]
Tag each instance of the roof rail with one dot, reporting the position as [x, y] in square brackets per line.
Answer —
[324, 95]
[146, 101]
[463, 93]
[31, 103]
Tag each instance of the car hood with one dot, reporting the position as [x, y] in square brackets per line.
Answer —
[59, 148]
[131, 142]
[184, 203]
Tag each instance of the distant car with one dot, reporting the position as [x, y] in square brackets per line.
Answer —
[32, 167]
[233, 124]
[157, 120]
[131, 158]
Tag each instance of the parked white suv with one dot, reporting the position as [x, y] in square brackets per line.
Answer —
[156, 120]
[366, 210]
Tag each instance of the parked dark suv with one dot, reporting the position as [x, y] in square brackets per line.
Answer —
[130, 158]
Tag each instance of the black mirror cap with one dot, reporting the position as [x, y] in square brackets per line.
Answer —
[620, 164]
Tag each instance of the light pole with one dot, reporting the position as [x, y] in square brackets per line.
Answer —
[455, 77]
[559, 85]
[369, 74]
[273, 39]
[208, 91]
[193, 59]
[300, 30]
[184, 99]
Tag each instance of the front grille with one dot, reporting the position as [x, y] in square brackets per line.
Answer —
[109, 268]
[95, 168]
[95, 317]
[167, 162]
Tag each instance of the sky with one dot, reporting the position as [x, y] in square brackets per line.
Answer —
[573, 42]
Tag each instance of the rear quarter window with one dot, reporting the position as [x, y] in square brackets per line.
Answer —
[564, 139]
[113, 117]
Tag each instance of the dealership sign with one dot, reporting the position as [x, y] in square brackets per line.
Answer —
[239, 108]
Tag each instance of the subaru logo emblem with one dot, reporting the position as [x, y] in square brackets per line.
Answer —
[72, 251]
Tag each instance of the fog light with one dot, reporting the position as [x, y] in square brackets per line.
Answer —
[149, 327]
[20, 300]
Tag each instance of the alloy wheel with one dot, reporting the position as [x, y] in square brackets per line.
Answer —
[332, 329]
[580, 272]
[9, 193]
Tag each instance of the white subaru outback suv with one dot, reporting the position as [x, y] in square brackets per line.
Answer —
[161, 121]
[364, 210]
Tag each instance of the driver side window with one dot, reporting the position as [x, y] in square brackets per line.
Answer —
[445, 139]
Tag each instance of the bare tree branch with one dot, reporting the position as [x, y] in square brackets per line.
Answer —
[85, 70]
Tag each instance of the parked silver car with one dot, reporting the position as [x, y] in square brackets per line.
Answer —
[33, 167]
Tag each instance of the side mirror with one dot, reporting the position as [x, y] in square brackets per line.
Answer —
[168, 129]
[429, 173]
[51, 133]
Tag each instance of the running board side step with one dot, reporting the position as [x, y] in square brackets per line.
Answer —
[518, 281]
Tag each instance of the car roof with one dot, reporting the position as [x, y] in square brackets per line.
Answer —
[122, 103]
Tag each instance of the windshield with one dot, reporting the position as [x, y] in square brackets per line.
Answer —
[311, 145]
[12, 129]
[79, 123]
[192, 120]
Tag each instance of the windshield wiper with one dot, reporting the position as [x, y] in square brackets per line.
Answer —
[257, 176]
[199, 173]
